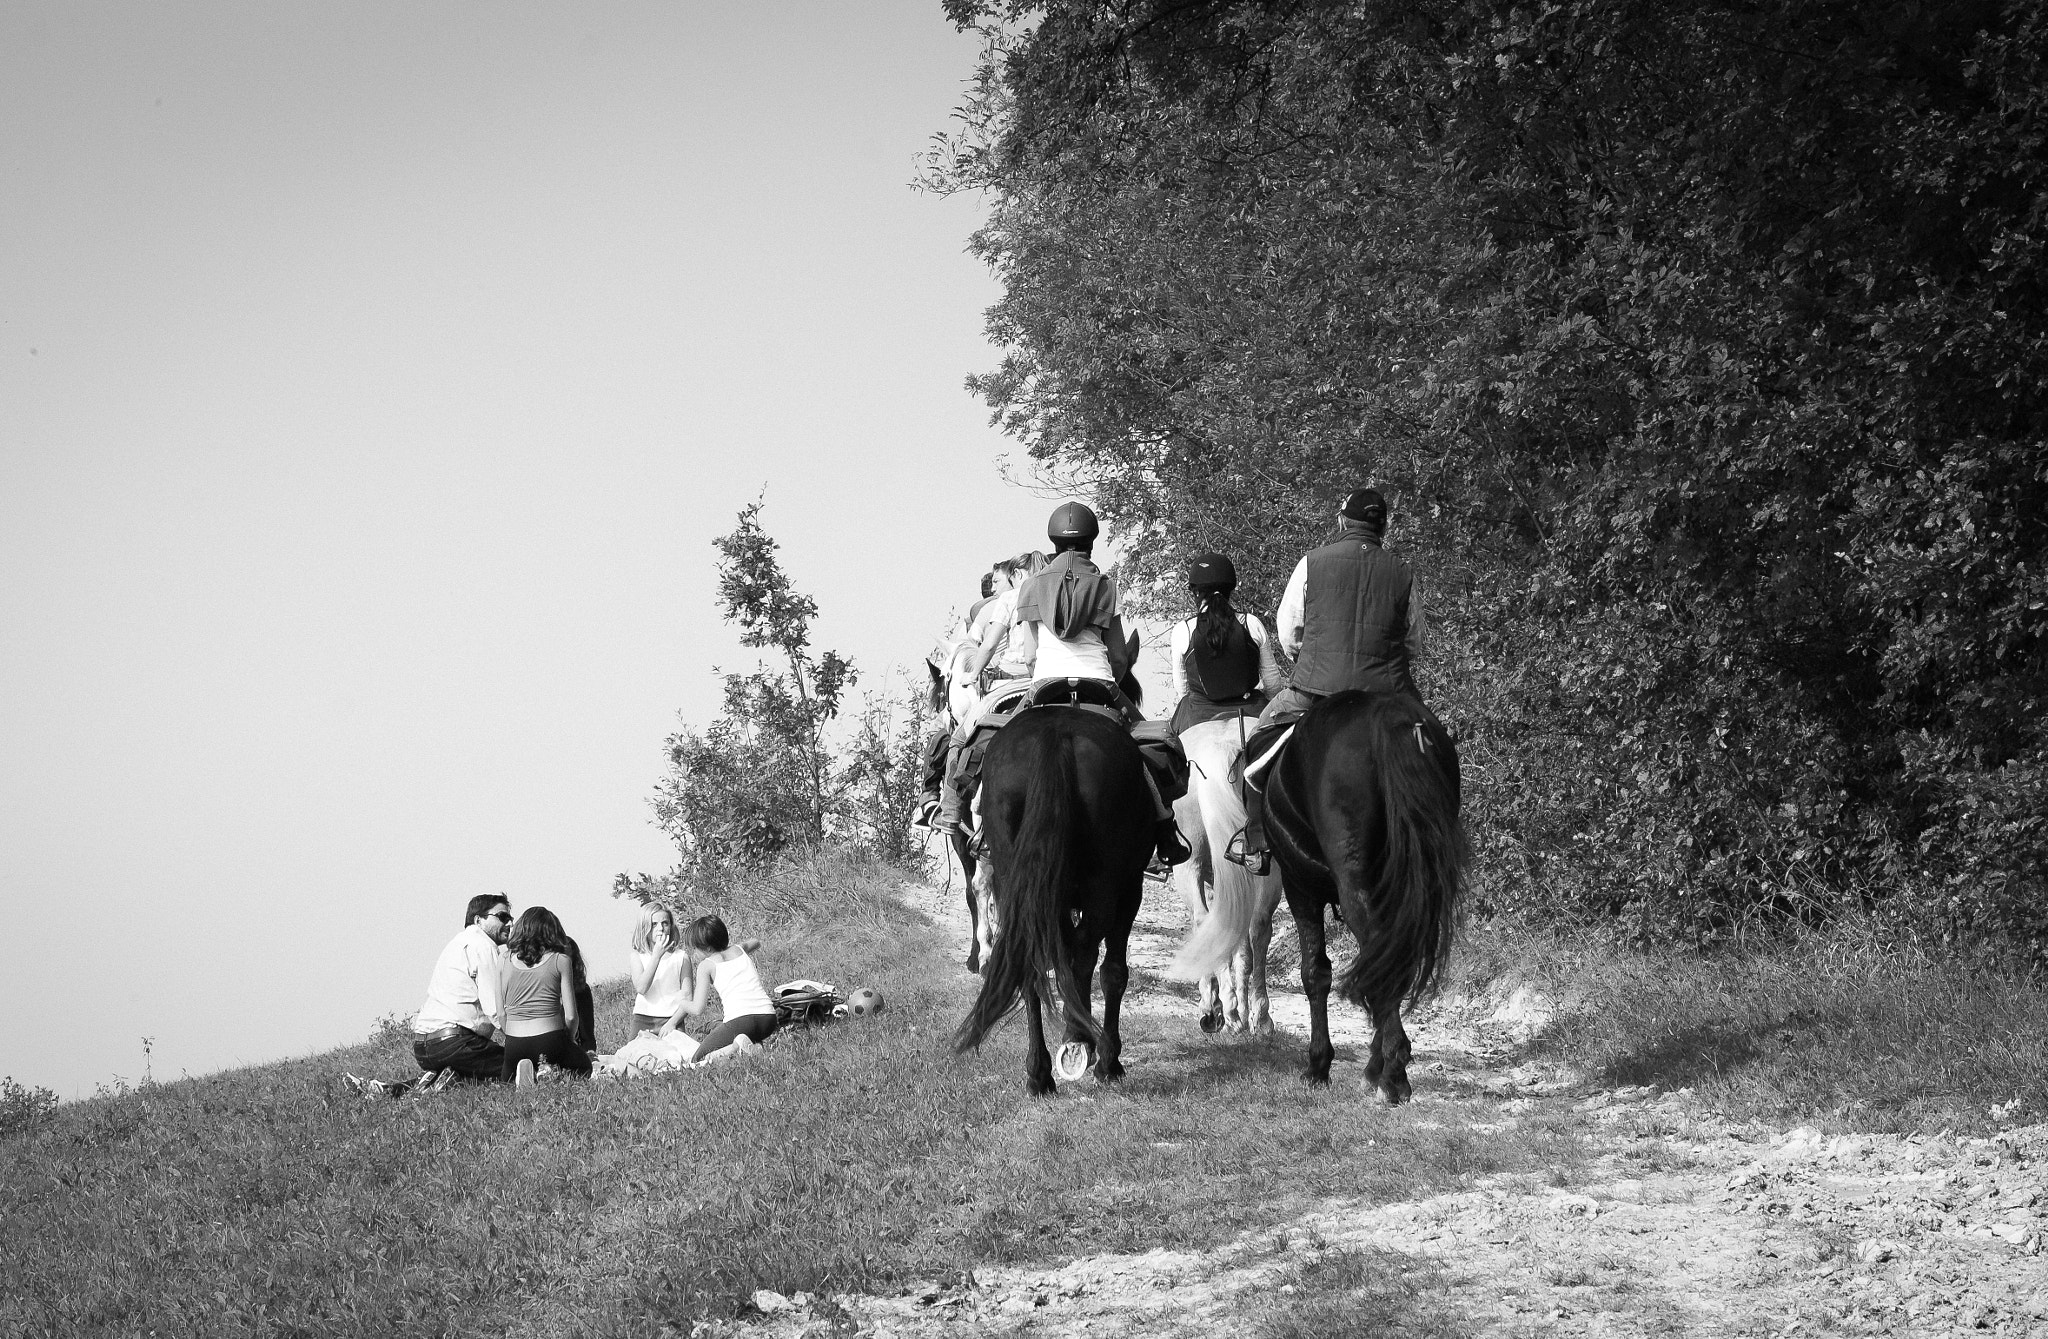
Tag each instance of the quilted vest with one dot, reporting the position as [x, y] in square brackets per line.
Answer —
[1356, 619]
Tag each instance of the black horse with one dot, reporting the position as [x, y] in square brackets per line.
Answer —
[1068, 818]
[1362, 811]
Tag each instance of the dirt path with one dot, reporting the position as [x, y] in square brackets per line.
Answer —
[1683, 1223]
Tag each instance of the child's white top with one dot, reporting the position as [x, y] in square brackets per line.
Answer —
[739, 986]
[665, 991]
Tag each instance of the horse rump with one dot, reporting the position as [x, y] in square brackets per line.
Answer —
[1031, 862]
[1404, 930]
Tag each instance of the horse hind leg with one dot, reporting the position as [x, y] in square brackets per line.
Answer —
[1260, 1004]
[1116, 979]
[1387, 1068]
[1038, 1080]
[1315, 983]
[1237, 1011]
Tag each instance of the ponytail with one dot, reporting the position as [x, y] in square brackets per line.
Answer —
[1215, 618]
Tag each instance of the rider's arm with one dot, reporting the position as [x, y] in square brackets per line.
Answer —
[1271, 680]
[1177, 653]
[1293, 616]
[987, 653]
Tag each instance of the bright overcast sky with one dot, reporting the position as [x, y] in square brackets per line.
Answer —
[373, 379]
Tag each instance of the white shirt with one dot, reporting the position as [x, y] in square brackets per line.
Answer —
[1270, 680]
[995, 621]
[1293, 614]
[1082, 656]
[665, 991]
[463, 988]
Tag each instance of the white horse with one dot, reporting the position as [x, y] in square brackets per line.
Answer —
[954, 693]
[1231, 909]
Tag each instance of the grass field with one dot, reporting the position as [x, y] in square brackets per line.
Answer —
[864, 1156]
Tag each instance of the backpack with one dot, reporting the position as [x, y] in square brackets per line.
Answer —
[805, 1002]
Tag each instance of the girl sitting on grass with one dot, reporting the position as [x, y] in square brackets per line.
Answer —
[537, 990]
[660, 964]
[748, 1011]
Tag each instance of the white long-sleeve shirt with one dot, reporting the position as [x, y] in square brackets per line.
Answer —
[1271, 680]
[463, 987]
[1293, 614]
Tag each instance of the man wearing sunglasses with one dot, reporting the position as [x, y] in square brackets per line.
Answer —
[453, 1031]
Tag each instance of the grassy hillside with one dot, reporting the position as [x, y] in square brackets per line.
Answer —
[862, 1155]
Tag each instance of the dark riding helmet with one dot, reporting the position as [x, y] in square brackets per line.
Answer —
[1211, 571]
[1072, 522]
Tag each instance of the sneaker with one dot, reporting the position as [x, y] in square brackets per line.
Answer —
[1158, 870]
[432, 1082]
[360, 1087]
[523, 1076]
[743, 1044]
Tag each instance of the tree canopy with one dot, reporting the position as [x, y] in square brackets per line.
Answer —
[1704, 347]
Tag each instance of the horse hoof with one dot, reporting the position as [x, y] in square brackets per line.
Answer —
[1315, 1080]
[1072, 1061]
[1212, 1022]
[974, 965]
[1395, 1093]
[1040, 1088]
[1109, 1071]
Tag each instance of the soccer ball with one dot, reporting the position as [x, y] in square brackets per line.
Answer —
[864, 1002]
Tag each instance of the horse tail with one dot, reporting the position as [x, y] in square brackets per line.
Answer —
[1030, 897]
[1211, 945]
[1411, 907]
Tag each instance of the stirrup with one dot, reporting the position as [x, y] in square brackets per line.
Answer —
[926, 813]
[1254, 862]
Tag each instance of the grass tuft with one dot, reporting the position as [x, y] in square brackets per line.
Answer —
[1844, 1032]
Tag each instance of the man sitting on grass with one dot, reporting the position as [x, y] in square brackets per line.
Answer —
[453, 1034]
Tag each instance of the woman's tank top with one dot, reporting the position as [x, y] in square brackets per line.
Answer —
[665, 991]
[739, 986]
[533, 994]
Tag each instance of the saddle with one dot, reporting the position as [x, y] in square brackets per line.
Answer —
[1262, 750]
[1162, 752]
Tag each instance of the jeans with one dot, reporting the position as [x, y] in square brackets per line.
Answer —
[466, 1053]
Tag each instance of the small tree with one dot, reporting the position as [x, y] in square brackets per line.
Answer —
[879, 781]
[760, 776]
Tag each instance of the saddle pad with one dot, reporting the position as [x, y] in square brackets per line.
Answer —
[1267, 752]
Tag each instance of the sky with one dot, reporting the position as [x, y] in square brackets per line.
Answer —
[373, 381]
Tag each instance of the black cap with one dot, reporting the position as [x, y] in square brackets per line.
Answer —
[1072, 520]
[1366, 505]
[1207, 570]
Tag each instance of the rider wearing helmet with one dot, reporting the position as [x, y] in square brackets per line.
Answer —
[1068, 624]
[1352, 618]
[1223, 662]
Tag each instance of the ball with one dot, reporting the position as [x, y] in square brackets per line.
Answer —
[864, 1002]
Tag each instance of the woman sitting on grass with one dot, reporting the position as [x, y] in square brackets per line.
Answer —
[537, 992]
[748, 1011]
[660, 962]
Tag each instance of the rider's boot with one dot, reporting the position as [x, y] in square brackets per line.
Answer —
[1248, 848]
[952, 807]
[1169, 846]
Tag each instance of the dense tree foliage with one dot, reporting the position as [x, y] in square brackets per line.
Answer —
[1704, 345]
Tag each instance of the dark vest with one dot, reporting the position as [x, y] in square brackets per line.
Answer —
[1227, 675]
[1356, 619]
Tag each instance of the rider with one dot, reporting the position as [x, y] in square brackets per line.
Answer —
[1068, 624]
[986, 626]
[1352, 618]
[1222, 659]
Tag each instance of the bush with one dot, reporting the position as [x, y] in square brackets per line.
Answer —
[22, 1107]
